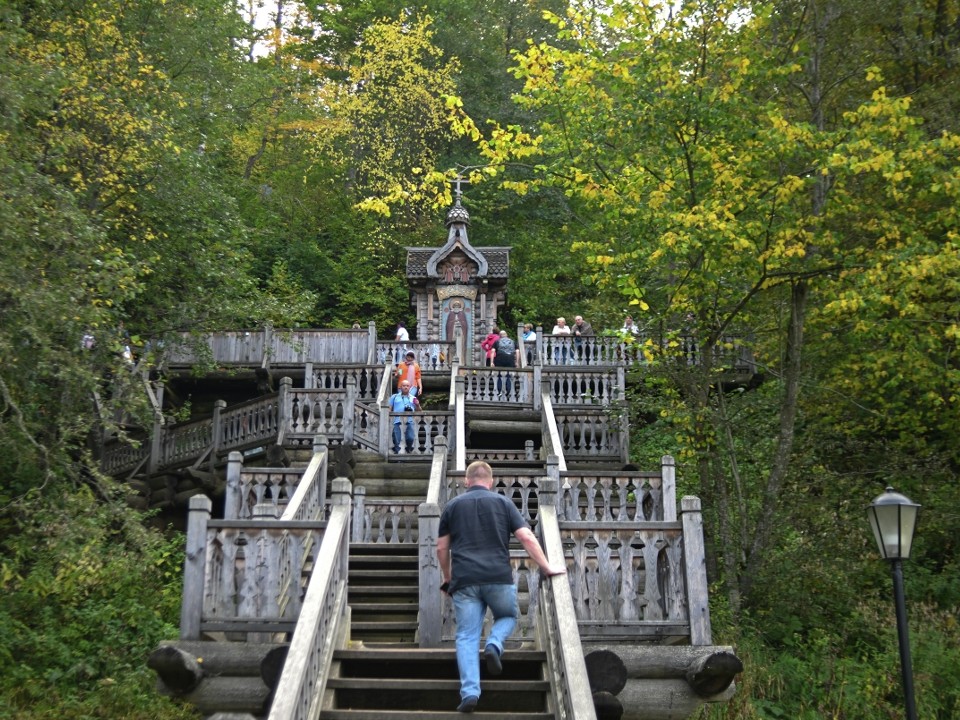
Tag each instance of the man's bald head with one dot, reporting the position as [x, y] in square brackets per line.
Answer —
[479, 473]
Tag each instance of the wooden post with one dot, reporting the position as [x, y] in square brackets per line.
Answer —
[320, 445]
[431, 600]
[460, 451]
[371, 343]
[359, 524]
[284, 411]
[153, 460]
[553, 474]
[308, 379]
[537, 378]
[668, 485]
[349, 409]
[695, 569]
[218, 407]
[267, 346]
[232, 499]
[528, 450]
[194, 567]
[340, 493]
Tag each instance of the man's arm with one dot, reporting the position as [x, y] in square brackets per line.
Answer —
[532, 546]
[443, 556]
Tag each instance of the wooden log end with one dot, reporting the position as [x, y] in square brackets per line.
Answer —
[607, 706]
[271, 667]
[606, 671]
[178, 670]
[712, 674]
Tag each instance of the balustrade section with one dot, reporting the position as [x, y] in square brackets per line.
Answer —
[427, 427]
[585, 386]
[613, 497]
[588, 434]
[499, 385]
[623, 575]
[367, 379]
[248, 424]
[252, 574]
[314, 412]
[182, 444]
[430, 355]
[384, 521]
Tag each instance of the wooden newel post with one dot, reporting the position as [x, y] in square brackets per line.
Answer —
[321, 445]
[668, 487]
[358, 528]
[431, 599]
[553, 474]
[153, 461]
[284, 410]
[191, 610]
[232, 498]
[695, 569]
[218, 407]
[340, 496]
[349, 411]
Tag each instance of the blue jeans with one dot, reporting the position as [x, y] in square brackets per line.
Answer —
[471, 603]
[396, 437]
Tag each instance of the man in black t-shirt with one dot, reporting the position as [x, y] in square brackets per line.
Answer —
[473, 549]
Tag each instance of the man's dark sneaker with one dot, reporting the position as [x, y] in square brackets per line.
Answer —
[492, 659]
[469, 704]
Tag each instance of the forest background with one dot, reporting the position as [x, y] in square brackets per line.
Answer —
[784, 171]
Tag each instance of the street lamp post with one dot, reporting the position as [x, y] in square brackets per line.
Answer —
[893, 518]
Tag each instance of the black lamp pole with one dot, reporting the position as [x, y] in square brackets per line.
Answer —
[903, 636]
[893, 517]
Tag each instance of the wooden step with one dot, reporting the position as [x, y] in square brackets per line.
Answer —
[412, 682]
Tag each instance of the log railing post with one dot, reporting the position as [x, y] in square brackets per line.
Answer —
[668, 487]
[232, 500]
[194, 567]
[695, 570]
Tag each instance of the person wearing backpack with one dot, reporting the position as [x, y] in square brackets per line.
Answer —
[505, 355]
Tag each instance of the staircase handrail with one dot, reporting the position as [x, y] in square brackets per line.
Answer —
[430, 619]
[321, 628]
[552, 442]
[309, 500]
[557, 628]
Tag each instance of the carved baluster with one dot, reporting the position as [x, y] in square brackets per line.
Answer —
[627, 609]
[606, 590]
[591, 511]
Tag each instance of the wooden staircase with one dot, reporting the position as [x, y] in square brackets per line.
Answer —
[407, 682]
[384, 592]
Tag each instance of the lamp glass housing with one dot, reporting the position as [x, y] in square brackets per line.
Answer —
[893, 518]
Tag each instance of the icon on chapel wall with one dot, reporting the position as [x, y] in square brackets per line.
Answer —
[456, 311]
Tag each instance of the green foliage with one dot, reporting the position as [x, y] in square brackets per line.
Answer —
[89, 591]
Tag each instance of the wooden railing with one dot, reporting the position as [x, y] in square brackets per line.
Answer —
[271, 347]
[635, 567]
[557, 627]
[431, 355]
[321, 628]
[384, 521]
[498, 385]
